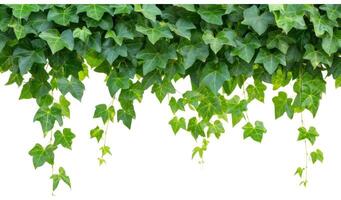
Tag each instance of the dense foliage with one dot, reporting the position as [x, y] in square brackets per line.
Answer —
[48, 50]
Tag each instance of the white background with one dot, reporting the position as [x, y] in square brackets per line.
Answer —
[149, 162]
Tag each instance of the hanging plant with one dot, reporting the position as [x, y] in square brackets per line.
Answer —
[49, 49]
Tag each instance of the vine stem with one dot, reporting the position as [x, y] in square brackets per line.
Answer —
[107, 126]
[246, 116]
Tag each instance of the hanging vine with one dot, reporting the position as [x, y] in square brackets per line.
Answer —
[51, 48]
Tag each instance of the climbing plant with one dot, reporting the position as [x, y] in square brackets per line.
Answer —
[48, 51]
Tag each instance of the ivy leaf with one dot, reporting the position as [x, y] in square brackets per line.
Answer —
[126, 117]
[94, 11]
[212, 13]
[56, 41]
[316, 57]
[299, 171]
[236, 107]
[96, 133]
[74, 86]
[215, 76]
[177, 124]
[159, 30]
[270, 60]
[216, 128]
[64, 138]
[279, 41]
[176, 105]
[246, 49]
[182, 28]
[116, 82]
[193, 52]
[291, 17]
[316, 156]
[259, 23]
[40, 155]
[224, 37]
[209, 105]
[282, 105]
[310, 135]
[280, 78]
[105, 150]
[156, 57]
[149, 11]
[309, 91]
[63, 16]
[56, 178]
[321, 25]
[83, 34]
[256, 91]
[47, 117]
[26, 58]
[111, 52]
[331, 43]
[105, 113]
[22, 11]
[333, 11]
[255, 132]
[162, 89]
[195, 128]
[64, 106]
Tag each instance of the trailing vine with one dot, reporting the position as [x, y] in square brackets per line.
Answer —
[48, 50]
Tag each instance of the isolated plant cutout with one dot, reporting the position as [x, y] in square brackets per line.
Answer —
[48, 50]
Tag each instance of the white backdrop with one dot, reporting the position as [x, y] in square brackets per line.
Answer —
[149, 162]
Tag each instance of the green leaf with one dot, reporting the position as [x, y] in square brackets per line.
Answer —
[209, 105]
[216, 128]
[310, 135]
[64, 106]
[236, 107]
[279, 41]
[182, 28]
[316, 156]
[56, 178]
[162, 89]
[291, 16]
[149, 11]
[116, 82]
[83, 34]
[22, 11]
[215, 76]
[321, 25]
[195, 128]
[156, 57]
[256, 91]
[269, 60]
[299, 171]
[331, 43]
[280, 78]
[176, 105]
[309, 91]
[26, 58]
[126, 117]
[63, 16]
[255, 132]
[193, 52]
[105, 150]
[74, 86]
[96, 133]
[105, 113]
[224, 37]
[64, 138]
[177, 124]
[158, 31]
[40, 155]
[212, 13]
[47, 118]
[56, 41]
[246, 49]
[333, 11]
[282, 105]
[94, 11]
[259, 23]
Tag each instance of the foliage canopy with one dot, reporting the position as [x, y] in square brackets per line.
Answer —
[49, 49]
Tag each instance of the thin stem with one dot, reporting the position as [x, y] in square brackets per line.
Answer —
[246, 116]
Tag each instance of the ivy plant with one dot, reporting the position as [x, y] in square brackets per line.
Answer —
[48, 50]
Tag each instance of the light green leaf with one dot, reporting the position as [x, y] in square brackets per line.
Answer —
[212, 13]
[224, 37]
[259, 23]
[40, 155]
[94, 11]
[22, 11]
[216, 128]
[269, 60]
[282, 105]
[255, 132]
[158, 31]
[316, 156]
[177, 124]
[256, 91]
[96, 133]
[310, 135]
[105, 113]
[182, 28]
[83, 34]
[64, 138]
[215, 75]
